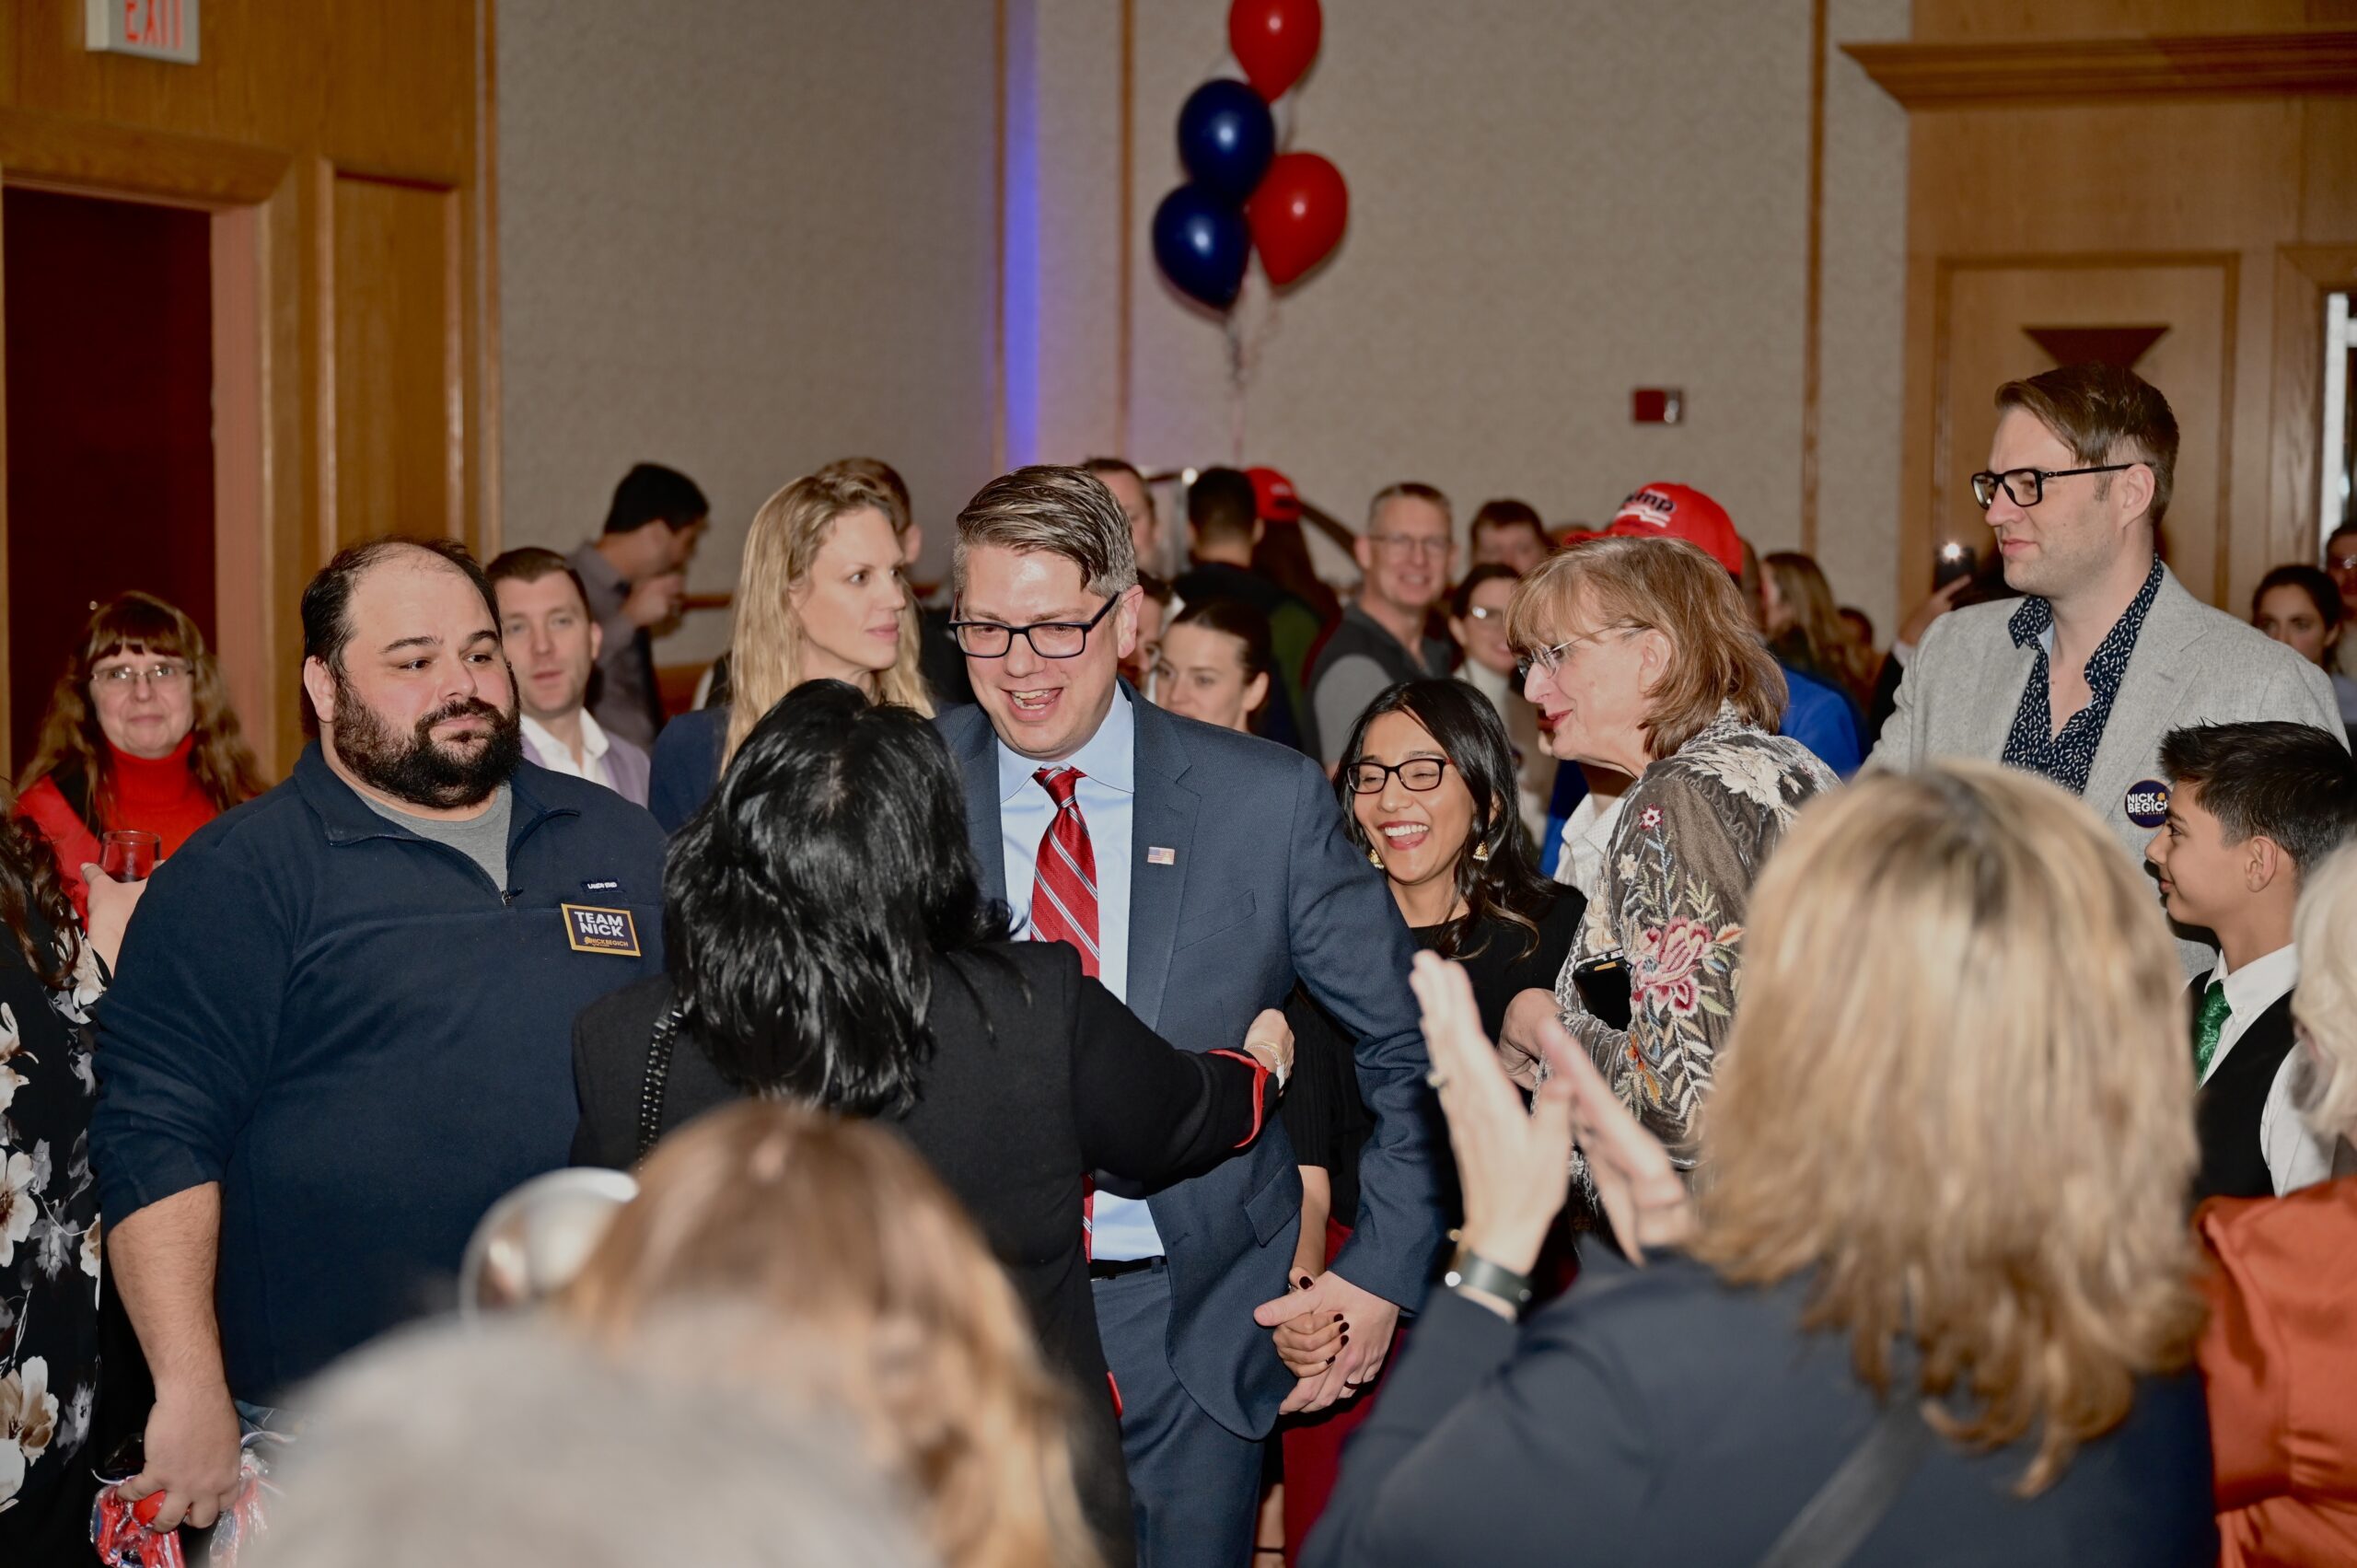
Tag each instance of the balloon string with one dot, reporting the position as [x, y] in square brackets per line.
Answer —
[1235, 384]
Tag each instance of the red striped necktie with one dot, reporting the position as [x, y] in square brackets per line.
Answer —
[1063, 909]
[1063, 889]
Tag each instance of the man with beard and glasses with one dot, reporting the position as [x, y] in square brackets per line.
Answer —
[346, 1030]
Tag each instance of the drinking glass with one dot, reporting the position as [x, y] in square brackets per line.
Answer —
[127, 854]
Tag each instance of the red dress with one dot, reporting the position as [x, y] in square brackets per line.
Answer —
[2278, 1361]
[160, 795]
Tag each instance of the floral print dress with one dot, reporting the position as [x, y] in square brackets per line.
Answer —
[49, 1256]
[1694, 831]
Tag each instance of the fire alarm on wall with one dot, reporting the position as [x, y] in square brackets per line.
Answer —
[1656, 405]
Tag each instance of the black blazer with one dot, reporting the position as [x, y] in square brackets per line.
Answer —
[1038, 1076]
[2227, 1110]
[1661, 1416]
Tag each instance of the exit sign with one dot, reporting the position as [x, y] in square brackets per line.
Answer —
[159, 29]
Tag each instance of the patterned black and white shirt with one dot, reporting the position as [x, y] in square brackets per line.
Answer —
[2033, 745]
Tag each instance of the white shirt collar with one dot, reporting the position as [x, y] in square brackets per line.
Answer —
[594, 744]
[2258, 984]
[1110, 757]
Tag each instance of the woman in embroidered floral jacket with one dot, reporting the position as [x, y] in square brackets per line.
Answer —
[1643, 658]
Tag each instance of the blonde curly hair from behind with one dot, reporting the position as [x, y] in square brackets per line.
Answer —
[821, 1258]
[1957, 1089]
[2325, 1006]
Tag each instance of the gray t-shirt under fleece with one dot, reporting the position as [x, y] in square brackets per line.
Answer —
[482, 840]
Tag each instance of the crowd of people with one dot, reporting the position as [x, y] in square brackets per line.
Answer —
[1560, 1054]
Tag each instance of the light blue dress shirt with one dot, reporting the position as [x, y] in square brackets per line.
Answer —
[1105, 793]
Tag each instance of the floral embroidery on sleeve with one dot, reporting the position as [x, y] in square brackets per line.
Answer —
[1679, 876]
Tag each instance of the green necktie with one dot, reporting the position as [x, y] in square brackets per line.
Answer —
[2207, 1023]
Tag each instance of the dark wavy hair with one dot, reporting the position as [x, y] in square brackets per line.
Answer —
[1505, 883]
[804, 905]
[31, 891]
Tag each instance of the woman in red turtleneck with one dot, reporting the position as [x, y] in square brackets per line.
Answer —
[139, 734]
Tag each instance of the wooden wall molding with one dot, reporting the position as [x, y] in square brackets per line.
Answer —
[96, 157]
[2036, 72]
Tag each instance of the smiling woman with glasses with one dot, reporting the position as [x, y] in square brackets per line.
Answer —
[1428, 796]
[139, 736]
[1643, 656]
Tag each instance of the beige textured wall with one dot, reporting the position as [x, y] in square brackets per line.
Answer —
[1551, 204]
[742, 237]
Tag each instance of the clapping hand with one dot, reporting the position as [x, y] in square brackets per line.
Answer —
[1514, 1165]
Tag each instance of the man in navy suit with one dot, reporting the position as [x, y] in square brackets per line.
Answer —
[1205, 872]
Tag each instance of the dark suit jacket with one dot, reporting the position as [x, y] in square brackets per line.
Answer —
[1022, 1041]
[1264, 888]
[686, 767]
[2227, 1110]
[1661, 1416]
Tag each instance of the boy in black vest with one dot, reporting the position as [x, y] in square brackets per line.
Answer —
[2250, 808]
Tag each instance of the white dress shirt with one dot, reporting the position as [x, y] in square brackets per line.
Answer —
[1587, 842]
[557, 757]
[1123, 1227]
[2295, 1156]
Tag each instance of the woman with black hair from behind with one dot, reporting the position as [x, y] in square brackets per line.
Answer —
[826, 941]
[1427, 787]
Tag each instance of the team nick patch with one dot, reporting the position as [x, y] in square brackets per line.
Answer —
[592, 930]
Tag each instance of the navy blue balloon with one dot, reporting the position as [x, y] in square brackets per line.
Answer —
[1201, 243]
[1226, 138]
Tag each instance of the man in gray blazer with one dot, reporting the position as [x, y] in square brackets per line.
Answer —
[1205, 872]
[2107, 653]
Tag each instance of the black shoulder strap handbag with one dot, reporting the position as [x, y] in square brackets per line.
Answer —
[658, 1074]
[1831, 1527]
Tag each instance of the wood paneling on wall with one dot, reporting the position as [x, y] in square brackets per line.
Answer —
[346, 154]
[2224, 211]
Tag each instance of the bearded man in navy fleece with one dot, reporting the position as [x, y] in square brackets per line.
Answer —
[343, 1026]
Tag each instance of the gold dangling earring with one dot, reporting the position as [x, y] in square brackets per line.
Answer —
[1481, 854]
[1375, 857]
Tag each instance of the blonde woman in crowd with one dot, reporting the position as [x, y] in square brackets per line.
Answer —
[820, 1259]
[820, 596]
[1942, 1253]
[2278, 1356]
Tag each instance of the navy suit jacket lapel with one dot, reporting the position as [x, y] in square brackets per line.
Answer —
[1162, 815]
[978, 760]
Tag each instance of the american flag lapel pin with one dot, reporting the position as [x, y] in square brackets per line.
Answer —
[1157, 856]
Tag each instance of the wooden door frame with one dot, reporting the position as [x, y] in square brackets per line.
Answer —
[2303, 276]
[261, 433]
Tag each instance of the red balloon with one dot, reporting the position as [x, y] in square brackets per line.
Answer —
[1274, 41]
[1297, 214]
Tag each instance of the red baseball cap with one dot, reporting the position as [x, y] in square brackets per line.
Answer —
[1680, 511]
[1273, 496]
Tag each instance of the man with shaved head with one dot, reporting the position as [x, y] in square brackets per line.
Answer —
[344, 1021]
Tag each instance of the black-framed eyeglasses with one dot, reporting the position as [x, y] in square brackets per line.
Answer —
[1049, 639]
[1418, 773]
[2027, 487]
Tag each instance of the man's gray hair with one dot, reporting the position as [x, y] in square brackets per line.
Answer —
[1052, 511]
[479, 1445]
